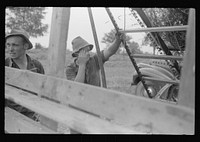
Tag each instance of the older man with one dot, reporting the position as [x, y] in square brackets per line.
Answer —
[85, 68]
[17, 43]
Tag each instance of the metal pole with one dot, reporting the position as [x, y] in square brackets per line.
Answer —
[163, 57]
[103, 78]
[128, 52]
[156, 29]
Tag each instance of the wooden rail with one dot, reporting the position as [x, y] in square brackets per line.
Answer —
[18, 123]
[76, 119]
[154, 116]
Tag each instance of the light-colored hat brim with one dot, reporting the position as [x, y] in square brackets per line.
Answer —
[74, 52]
[16, 34]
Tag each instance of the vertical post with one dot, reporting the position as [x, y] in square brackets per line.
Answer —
[57, 42]
[187, 82]
[103, 78]
[57, 53]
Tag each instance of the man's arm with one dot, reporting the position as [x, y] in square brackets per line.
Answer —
[81, 74]
[83, 57]
[113, 47]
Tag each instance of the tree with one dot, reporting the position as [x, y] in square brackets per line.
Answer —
[134, 48]
[28, 18]
[109, 38]
[168, 17]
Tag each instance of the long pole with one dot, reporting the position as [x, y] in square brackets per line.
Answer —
[156, 29]
[128, 52]
[103, 78]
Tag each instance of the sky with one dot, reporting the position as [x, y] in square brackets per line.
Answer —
[79, 25]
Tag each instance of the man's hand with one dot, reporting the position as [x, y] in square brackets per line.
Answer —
[120, 36]
[83, 57]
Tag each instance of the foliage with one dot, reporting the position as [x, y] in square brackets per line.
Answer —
[28, 18]
[38, 46]
[109, 38]
[168, 17]
[134, 48]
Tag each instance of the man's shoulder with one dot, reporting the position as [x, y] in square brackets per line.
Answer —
[95, 56]
[7, 61]
[34, 61]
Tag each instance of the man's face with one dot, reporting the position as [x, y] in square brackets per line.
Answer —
[15, 46]
[83, 50]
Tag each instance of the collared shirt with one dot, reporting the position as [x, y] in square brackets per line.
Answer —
[32, 65]
[92, 75]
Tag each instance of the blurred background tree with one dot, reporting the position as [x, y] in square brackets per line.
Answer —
[110, 37]
[28, 18]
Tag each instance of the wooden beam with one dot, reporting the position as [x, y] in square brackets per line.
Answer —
[156, 29]
[163, 57]
[75, 119]
[103, 76]
[141, 113]
[187, 82]
[57, 41]
[18, 123]
[57, 49]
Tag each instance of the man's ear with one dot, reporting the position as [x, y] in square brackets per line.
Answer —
[26, 45]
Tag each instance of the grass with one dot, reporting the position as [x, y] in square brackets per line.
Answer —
[118, 70]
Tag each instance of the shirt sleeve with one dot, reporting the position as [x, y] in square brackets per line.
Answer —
[39, 67]
[103, 58]
[71, 72]
[42, 69]
[7, 62]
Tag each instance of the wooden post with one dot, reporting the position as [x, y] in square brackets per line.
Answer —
[103, 77]
[187, 82]
[57, 42]
[57, 53]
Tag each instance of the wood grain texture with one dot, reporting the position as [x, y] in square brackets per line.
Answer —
[18, 123]
[75, 119]
[187, 82]
[133, 111]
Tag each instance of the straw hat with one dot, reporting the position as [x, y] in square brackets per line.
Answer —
[79, 43]
[22, 33]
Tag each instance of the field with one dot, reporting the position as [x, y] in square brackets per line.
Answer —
[118, 69]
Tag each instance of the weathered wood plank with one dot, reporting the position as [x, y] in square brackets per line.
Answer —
[18, 123]
[75, 119]
[58, 41]
[138, 112]
[187, 82]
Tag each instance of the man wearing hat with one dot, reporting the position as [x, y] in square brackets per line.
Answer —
[85, 67]
[17, 43]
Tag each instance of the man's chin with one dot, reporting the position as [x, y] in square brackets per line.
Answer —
[12, 56]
